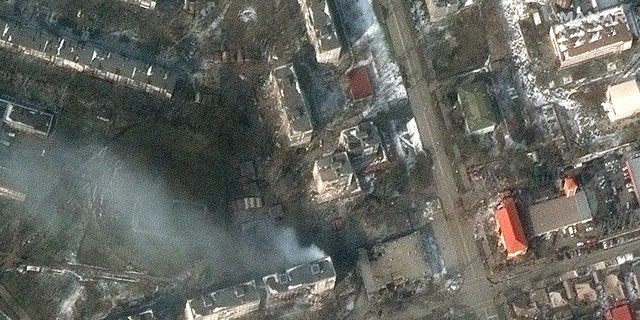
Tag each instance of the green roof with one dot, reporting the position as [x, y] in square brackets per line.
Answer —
[478, 110]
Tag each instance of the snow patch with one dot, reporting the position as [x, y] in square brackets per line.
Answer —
[248, 15]
[66, 309]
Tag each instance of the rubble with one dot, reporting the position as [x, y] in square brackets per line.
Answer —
[395, 267]
[335, 178]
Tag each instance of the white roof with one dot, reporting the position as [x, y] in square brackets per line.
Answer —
[623, 100]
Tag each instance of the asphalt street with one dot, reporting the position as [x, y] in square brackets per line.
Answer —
[454, 233]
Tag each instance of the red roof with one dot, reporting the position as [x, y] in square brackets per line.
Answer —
[512, 234]
[569, 186]
[622, 312]
[360, 82]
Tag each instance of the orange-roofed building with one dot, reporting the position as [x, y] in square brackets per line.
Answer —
[569, 187]
[512, 234]
[622, 312]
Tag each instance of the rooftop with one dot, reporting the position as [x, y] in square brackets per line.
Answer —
[623, 100]
[589, 36]
[569, 186]
[360, 82]
[634, 171]
[217, 301]
[558, 213]
[300, 276]
[622, 312]
[26, 119]
[293, 100]
[511, 232]
[397, 261]
[478, 110]
[363, 138]
[334, 167]
[323, 24]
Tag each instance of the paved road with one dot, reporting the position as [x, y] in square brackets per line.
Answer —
[454, 233]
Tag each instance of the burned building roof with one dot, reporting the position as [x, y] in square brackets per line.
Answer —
[334, 167]
[555, 214]
[394, 263]
[301, 276]
[511, 232]
[591, 36]
[227, 303]
[294, 105]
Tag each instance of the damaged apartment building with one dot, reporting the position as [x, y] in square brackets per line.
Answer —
[294, 109]
[249, 210]
[591, 36]
[287, 293]
[398, 266]
[364, 146]
[321, 30]
[334, 178]
[25, 119]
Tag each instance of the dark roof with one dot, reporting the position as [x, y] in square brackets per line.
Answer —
[558, 213]
[360, 82]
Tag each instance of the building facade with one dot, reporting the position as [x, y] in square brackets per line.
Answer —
[302, 287]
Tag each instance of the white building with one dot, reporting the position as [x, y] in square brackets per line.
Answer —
[623, 100]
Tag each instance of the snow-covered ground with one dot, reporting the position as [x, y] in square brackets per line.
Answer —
[513, 12]
[67, 307]
[407, 141]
